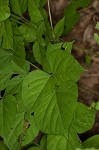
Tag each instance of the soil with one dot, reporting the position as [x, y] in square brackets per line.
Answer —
[86, 51]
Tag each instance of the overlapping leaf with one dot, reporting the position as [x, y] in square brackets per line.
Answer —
[84, 118]
[23, 5]
[4, 10]
[49, 103]
[53, 98]
[62, 65]
[4, 80]
[60, 142]
[14, 139]
[15, 85]
[23, 132]
[92, 142]
[44, 101]
[7, 114]
[15, 7]
[31, 130]
[39, 52]
[18, 6]
[8, 67]
[1, 31]
[2, 145]
[7, 39]
[8, 63]
[28, 33]
[59, 27]
[34, 12]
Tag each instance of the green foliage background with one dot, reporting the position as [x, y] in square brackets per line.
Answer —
[45, 98]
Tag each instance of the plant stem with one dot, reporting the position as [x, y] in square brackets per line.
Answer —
[21, 20]
[33, 65]
[50, 17]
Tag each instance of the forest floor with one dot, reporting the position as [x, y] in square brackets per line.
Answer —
[86, 51]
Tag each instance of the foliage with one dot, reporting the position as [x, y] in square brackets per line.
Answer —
[96, 36]
[39, 99]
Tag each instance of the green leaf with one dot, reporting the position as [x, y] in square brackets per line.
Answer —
[43, 142]
[61, 143]
[88, 59]
[71, 20]
[81, 3]
[28, 33]
[19, 47]
[15, 7]
[84, 118]
[56, 142]
[73, 141]
[23, 132]
[8, 68]
[71, 14]
[7, 114]
[42, 2]
[23, 5]
[31, 131]
[19, 101]
[13, 140]
[96, 37]
[15, 85]
[7, 40]
[97, 106]
[1, 32]
[62, 65]
[39, 52]
[59, 27]
[92, 142]
[40, 33]
[19, 6]
[40, 93]
[4, 11]
[2, 146]
[97, 26]
[68, 46]
[47, 31]
[19, 51]
[8, 64]
[34, 12]
[4, 80]
[34, 148]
